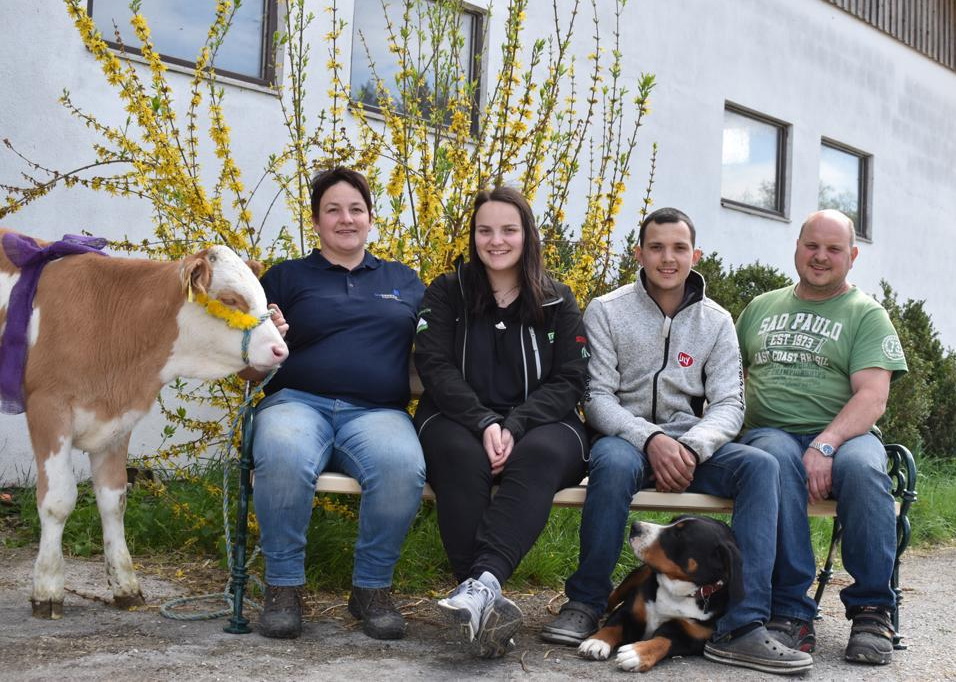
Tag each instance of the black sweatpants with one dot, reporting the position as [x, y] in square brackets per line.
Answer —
[485, 533]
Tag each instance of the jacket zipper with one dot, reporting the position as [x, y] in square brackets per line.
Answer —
[464, 343]
[668, 322]
[657, 374]
[534, 349]
[524, 363]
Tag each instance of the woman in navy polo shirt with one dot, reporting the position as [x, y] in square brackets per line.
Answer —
[502, 355]
[338, 403]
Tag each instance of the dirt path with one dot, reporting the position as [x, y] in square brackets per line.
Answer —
[96, 642]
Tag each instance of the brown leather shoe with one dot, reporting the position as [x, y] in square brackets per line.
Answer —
[281, 615]
[374, 607]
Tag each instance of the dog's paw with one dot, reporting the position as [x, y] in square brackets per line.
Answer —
[594, 649]
[628, 658]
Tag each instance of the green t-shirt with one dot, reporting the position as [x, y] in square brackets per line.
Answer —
[800, 354]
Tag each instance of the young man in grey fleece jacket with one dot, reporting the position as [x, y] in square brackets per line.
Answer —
[666, 395]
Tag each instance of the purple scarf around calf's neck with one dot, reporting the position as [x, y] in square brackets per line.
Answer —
[27, 255]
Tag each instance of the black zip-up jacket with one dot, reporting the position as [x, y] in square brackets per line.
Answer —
[555, 361]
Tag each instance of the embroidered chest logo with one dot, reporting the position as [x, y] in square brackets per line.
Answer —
[396, 295]
[684, 360]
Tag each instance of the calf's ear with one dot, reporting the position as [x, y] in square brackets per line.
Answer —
[197, 272]
[256, 267]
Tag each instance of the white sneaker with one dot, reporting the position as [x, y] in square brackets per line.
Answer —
[466, 606]
[501, 620]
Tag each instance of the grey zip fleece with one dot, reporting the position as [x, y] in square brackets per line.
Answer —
[652, 374]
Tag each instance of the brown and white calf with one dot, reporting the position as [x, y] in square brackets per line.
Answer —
[105, 335]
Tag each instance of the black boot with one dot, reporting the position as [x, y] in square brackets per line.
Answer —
[374, 607]
[281, 615]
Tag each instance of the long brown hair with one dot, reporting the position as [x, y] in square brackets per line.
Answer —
[535, 284]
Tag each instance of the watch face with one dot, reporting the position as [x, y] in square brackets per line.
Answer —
[825, 448]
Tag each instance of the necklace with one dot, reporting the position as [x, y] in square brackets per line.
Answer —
[503, 298]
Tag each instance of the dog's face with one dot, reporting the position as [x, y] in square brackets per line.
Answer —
[693, 548]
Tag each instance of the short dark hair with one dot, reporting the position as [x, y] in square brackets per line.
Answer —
[531, 277]
[325, 179]
[666, 215]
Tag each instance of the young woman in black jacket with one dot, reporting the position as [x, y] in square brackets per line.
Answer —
[502, 356]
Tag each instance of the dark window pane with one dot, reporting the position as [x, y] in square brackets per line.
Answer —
[178, 30]
[841, 180]
[454, 52]
[751, 165]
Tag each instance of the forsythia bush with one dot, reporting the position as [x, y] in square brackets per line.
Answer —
[560, 126]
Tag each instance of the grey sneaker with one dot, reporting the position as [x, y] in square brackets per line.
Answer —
[758, 650]
[374, 607]
[281, 615]
[574, 624]
[793, 633]
[871, 638]
[499, 622]
[466, 606]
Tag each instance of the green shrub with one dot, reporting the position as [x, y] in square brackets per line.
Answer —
[736, 287]
[921, 412]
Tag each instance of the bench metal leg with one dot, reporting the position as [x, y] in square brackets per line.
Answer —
[238, 625]
[902, 471]
[901, 468]
[823, 578]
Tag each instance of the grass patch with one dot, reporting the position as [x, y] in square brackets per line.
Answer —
[933, 515]
[182, 513]
[185, 513]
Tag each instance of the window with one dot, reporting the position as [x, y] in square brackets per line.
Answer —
[753, 172]
[844, 175]
[439, 42]
[178, 31]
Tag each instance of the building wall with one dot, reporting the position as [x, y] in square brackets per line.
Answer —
[829, 75]
[805, 62]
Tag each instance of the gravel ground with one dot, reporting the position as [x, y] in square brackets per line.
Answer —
[93, 641]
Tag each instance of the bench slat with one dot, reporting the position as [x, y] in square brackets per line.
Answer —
[648, 500]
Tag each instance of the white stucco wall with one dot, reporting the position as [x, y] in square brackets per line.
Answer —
[800, 61]
[829, 75]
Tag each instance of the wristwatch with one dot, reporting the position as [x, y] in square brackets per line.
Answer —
[825, 449]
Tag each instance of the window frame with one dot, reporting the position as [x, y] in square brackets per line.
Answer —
[267, 58]
[863, 224]
[782, 166]
[478, 36]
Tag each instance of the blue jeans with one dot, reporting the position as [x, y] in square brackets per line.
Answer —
[861, 488]
[751, 477]
[298, 435]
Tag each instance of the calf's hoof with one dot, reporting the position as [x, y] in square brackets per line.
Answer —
[47, 609]
[128, 601]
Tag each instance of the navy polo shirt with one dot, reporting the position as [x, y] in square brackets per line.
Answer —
[350, 332]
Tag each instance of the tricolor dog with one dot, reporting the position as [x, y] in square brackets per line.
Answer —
[668, 606]
[96, 338]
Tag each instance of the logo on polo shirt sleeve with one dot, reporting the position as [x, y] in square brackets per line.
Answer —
[892, 348]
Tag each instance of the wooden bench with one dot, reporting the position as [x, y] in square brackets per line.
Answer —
[900, 466]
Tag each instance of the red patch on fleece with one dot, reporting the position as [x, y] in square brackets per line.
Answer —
[684, 360]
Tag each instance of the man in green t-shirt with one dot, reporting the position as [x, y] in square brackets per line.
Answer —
[819, 358]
